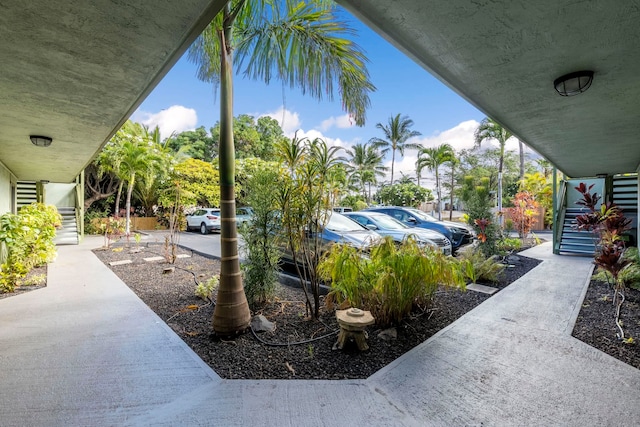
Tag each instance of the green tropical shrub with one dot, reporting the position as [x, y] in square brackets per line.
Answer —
[508, 244]
[629, 275]
[92, 220]
[403, 194]
[478, 203]
[390, 281]
[26, 241]
[205, 290]
[479, 267]
[260, 234]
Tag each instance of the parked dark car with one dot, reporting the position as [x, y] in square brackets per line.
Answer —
[459, 234]
[386, 225]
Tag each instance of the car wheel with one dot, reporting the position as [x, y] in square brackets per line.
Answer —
[203, 228]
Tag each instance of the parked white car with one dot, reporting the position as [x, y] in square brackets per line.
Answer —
[204, 219]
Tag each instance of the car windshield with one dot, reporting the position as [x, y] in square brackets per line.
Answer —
[339, 222]
[385, 222]
[422, 215]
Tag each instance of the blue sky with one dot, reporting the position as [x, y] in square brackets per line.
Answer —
[181, 102]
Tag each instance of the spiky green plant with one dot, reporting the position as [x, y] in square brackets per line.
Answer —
[479, 267]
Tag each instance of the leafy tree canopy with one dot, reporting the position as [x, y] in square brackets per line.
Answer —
[404, 194]
[197, 144]
[199, 182]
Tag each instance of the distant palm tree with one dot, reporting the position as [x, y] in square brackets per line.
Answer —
[300, 43]
[546, 166]
[432, 158]
[396, 134]
[364, 165]
[291, 152]
[488, 130]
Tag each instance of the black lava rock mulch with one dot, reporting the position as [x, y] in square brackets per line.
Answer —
[300, 348]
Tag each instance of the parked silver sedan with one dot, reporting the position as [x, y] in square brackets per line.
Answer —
[339, 229]
[388, 226]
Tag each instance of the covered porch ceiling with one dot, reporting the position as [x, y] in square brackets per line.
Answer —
[503, 57]
[75, 71]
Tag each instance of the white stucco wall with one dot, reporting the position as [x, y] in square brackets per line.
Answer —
[5, 190]
[60, 195]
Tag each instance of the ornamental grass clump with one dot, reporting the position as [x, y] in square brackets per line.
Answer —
[389, 281]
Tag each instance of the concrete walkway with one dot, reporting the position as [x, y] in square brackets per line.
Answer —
[86, 351]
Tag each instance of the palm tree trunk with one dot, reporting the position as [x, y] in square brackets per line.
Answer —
[439, 195]
[231, 314]
[393, 161]
[500, 184]
[451, 196]
[116, 212]
[521, 146]
[127, 214]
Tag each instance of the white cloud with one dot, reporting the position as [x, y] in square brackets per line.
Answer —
[173, 119]
[331, 142]
[459, 137]
[291, 127]
[341, 122]
[288, 120]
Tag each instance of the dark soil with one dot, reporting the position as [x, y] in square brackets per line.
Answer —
[302, 348]
[596, 325]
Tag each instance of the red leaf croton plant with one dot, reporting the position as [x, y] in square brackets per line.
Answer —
[609, 223]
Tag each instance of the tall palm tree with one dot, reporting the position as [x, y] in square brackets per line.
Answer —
[432, 158]
[136, 158]
[291, 152]
[396, 134]
[546, 166]
[302, 44]
[110, 157]
[364, 165]
[489, 130]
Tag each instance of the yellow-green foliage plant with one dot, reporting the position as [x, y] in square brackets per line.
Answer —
[479, 267]
[26, 241]
[389, 281]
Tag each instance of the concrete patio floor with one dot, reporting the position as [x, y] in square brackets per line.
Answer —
[86, 351]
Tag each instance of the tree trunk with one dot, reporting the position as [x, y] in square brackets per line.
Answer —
[97, 188]
[521, 146]
[500, 184]
[393, 161]
[439, 195]
[116, 212]
[451, 198]
[231, 314]
[127, 214]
